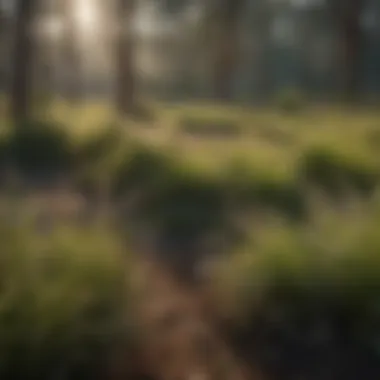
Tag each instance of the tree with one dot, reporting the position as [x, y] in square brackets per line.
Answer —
[347, 16]
[2, 19]
[125, 79]
[261, 21]
[21, 88]
[71, 52]
[3, 45]
[223, 17]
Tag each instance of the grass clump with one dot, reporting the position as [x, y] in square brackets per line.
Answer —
[181, 204]
[144, 169]
[335, 172]
[189, 205]
[290, 101]
[209, 127]
[64, 303]
[373, 138]
[252, 188]
[97, 158]
[303, 309]
[39, 148]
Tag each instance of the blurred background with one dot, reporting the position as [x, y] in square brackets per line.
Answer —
[189, 189]
[321, 47]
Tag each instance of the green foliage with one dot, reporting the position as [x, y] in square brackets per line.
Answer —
[290, 101]
[39, 148]
[296, 298]
[182, 204]
[97, 158]
[99, 145]
[63, 303]
[3, 153]
[373, 138]
[188, 206]
[336, 172]
[144, 113]
[144, 168]
[281, 196]
[209, 127]
[251, 188]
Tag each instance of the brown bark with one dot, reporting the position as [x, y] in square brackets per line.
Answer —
[125, 80]
[21, 87]
[225, 68]
[263, 35]
[347, 15]
[71, 53]
[227, 14]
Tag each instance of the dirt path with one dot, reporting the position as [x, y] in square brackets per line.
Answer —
[177, 341]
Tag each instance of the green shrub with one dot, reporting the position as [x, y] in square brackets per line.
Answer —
[40, 148]
[43, 100]
[248, 188]
[373, 138]
[144, 113]
[143, 168]
[208, 127]
[98, 159]
[275, 135]
[290, 101]
[304, 311]
[99, 145]
[190, 204]
[63, 303]
[336, 173]
[185, 212]
[4, 159]
[173, 195]
[281, 196]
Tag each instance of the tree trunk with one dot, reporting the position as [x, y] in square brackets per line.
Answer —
[348, 15]
[263, 56]
[351, 43]
[227, 14]
[225, 65]
[71, 54]
[125, 80]
[21, 90]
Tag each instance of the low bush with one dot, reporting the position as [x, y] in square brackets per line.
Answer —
[182, 205]
[275, 135]
[99, 145]
[249, 188]
[40, 149]
[209, 127]
[302, 310]
[64, 303]
[143, 168]
[373, 138]
[144, 113]
[4, 159]
[335, 172]
[290, 101]
[190, 204]
[98, 157]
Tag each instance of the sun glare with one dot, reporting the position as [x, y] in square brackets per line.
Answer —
[86, 14]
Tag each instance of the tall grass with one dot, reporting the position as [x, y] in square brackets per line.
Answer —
[306, 306]
[336, 171]
[300, 299]
[64, 303]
